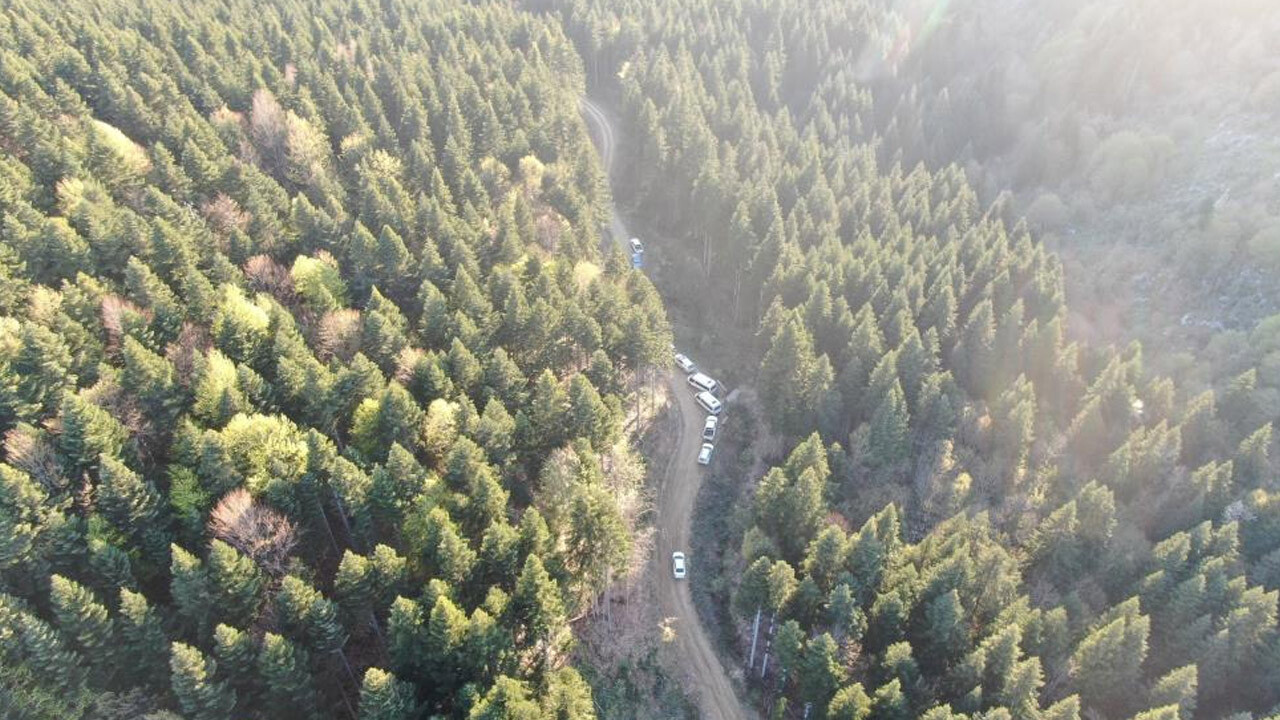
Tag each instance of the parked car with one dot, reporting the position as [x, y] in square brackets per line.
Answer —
[636, 247]
[709, 428]
[677, 565]
[704, 455]
[685, 364]
[709, 402]
[701, 382]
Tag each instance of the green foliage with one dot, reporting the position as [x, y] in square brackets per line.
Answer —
[383, 697]
[236, 583]
[200, 696]
[1109, 659]
[85, 621]
[283, 668]
[143, 638]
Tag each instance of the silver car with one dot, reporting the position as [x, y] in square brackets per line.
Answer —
[704, 455]
[677, 565]
[709, 428]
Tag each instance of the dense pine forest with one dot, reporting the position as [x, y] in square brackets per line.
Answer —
[313, 378]
[322, 390]
[980, 517]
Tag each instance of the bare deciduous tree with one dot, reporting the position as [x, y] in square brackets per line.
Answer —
[256, 530]
[28, 450]
[192, 342]
[339, 334]
[224, 214]
[115, 311]
[267, 275]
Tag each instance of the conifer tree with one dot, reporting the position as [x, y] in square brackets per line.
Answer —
[200, 696]
[850, 703]
[235, 581]
[383, 697]
[889, 438]
[538, 609]
[142, 638]
[235, 651]
[190, 588]
[85, 621]
[286, 679]
[307, 616]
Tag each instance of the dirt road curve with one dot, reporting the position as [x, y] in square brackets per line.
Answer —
[704, 676]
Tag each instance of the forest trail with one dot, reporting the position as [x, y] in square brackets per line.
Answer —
[606, 140]
[704, 676]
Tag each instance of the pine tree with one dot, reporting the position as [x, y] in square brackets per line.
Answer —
[538, 609]
[597, 540]
[445, 552]
[889, 439]
[850, 703]
[151, 378]
[446, 633]
[40, 646]
[383, 697]
[41, 370]
[508, 699]
[142, 639]
[1109, 659]
[945, 635]
[353, 585]
[288, 683]
[1178, 688]
[407, 639]
[307, 616]
[236, 582]
[88, 433]
[889, 703]
[820, 672]
[236, 653]
[199, 695]
[86, 621]
[133, 506]
[190, 588]
[789, 378]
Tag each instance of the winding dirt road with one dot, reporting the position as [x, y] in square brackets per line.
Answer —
[705, 678]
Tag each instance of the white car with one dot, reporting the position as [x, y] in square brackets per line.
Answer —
[677, 565]
[704, 455]
[685, 364]
[636, 247]
[709, 402]
[709, 428]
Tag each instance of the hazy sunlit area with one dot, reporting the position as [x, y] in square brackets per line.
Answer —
[639, 359]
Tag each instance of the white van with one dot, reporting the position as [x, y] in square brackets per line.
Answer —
[709, 402]
[701, 382]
